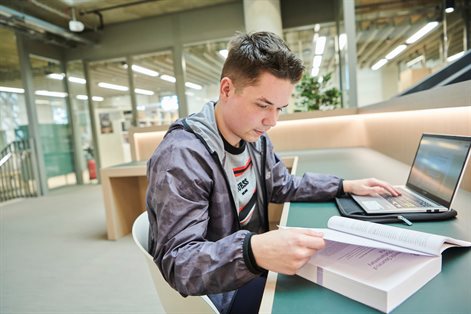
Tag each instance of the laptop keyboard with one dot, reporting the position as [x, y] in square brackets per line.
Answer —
[406, 200]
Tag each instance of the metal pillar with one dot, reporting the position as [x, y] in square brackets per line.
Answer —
[39, 168]
[78, 165]
[350, 30]
[91, 112]
[132, 93]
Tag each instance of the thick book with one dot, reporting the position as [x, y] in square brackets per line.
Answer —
[378, 265]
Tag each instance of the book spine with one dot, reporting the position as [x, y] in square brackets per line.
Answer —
[350, 288]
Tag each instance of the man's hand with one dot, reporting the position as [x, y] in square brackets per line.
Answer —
[371, 187]
[286, 250]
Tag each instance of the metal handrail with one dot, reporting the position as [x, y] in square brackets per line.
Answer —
[16, 171]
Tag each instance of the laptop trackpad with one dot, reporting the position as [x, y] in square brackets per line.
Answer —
[372, 205]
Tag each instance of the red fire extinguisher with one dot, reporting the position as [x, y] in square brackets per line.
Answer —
[91, 169]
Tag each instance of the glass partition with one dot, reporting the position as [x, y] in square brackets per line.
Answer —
[53, 119]
[204, 63]
[154, 82]
[317, 46]
[12, 101]
[80, 112]
[17, 177]
[109, 86]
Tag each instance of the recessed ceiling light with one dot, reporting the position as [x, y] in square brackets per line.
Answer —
[379, 64]
[77, 80]
[422, 32]
[193, 85]
[395, 52]
[168, 78]
[143, 91]
[113, 86]
[223, 53]
[50, 94]
[56, 76]
[146, 71]
[320, 45]
[11, 90]
[455, 56]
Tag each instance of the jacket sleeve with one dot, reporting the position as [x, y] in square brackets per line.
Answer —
[180, 187]
[308, 187]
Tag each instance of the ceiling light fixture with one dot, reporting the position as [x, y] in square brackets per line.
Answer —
[113, 86]
[320, 45]
[74, 25]
[77, 80]
[143, 92]
[56, 76]
[449, 6]
[193, 85]
[223, 53]
[94, 98]
[396, 51]
[50, 94]
[422, 32]
[168, 78]
[316, 62]
[342, 41]
[11, 90]
[315, 72]
[146, 71]
[379, 64]
[455, 56]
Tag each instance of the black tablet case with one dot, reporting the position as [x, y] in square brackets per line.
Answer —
[349, 208]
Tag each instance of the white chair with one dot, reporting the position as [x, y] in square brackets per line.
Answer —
[170, 299]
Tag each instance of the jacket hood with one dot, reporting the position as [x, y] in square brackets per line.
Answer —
[204, 125]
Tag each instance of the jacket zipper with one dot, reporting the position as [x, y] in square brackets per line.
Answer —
[264, 185]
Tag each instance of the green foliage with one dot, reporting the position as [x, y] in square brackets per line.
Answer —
[314, 95]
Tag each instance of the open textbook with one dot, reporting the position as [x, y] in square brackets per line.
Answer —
[378, 265]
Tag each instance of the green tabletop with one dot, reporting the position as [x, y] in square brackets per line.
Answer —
[448, 292]
[134, 163]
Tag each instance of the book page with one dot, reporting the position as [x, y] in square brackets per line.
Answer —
[414, 240]
[368, 265]
[342, 237]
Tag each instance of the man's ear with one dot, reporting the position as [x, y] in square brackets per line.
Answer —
[226, 88]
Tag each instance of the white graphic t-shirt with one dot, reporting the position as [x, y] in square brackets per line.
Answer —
[244, 174]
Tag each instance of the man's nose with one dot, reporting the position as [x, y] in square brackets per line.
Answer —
[271, 118]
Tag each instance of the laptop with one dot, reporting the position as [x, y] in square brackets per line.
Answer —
[433, 180]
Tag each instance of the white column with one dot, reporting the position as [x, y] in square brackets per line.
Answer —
[263, 15]
[350, 29]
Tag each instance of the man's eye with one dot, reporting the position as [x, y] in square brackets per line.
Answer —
[282, 109]
[262, 106]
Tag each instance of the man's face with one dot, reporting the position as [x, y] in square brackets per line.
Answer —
[248, 113]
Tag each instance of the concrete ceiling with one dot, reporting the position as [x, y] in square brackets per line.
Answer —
[59, 12]
[381, 26]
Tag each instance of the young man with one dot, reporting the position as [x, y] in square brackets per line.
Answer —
[213, 175]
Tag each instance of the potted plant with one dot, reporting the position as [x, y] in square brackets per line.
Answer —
[313, 94]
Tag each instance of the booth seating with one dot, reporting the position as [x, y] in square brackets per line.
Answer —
[395, 134]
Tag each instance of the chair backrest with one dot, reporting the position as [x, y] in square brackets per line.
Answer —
[170, 299]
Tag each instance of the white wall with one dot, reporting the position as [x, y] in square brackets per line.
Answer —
[376, 86]
[111, 145]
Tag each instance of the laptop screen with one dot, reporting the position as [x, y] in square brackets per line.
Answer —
[438, 166]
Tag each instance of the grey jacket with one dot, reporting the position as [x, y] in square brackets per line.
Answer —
[194, 235]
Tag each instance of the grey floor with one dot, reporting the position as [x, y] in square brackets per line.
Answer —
[55, 258]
